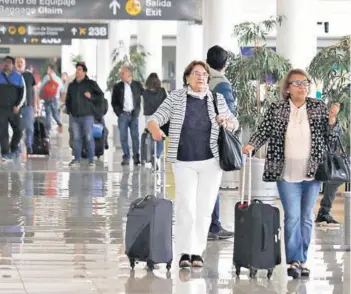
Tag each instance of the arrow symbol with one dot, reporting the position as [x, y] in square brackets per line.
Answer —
[114, 5]
[74, 31]
[3, 30]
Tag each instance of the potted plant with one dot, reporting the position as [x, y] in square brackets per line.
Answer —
[255, 80]
[331, 67]
[136, 58]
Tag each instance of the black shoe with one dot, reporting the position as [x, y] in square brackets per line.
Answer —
[224, 234]
[125, 162]
[136, 159]
[294, 270]
[212, 236]
[197, 261]
[106, 146]
[185, 261]
[29, 151]
[326, 220]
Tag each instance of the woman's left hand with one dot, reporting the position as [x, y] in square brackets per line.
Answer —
[333, 112]
[224, 122]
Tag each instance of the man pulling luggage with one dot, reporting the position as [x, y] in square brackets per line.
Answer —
[82, 94]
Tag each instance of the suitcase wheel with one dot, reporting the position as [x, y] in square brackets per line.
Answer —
[168, 266]
[269, 273]
[150, 266]
[253, 273]
[132, 263]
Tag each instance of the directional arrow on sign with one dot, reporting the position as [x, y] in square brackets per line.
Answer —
[74, 31]
[114, 5]
[3, 30]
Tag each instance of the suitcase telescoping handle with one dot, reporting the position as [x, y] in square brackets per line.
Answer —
[244, 180]
[161, 169]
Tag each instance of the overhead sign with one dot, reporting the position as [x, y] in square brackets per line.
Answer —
[55, 30]
[18, 40]
[189, 10]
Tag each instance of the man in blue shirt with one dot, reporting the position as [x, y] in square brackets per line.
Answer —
[11, 99]
[217, 58]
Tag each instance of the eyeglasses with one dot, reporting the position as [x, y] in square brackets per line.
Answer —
[199, 74]
[305, 83]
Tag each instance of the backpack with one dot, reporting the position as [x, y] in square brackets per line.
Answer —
[50, 89]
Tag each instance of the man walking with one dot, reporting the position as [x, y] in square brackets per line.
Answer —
[11, 100]
[50, 91]
[126, 99]
[30, 105]
[82, 96]
[217, 58]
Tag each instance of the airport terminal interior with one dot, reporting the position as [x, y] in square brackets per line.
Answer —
[63, 228]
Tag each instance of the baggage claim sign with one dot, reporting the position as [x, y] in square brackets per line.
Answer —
[188, 10]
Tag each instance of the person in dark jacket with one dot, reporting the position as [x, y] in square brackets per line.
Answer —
[12, 97]
[153, 97]
[126, 98]
[82, 94]
[217, 58]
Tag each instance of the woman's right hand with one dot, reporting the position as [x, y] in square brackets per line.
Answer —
[248, 149]
[157, 134]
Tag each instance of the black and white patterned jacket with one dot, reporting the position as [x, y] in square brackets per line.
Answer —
[273, 129]
[173, 109]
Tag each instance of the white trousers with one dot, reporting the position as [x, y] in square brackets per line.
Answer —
[196, 187]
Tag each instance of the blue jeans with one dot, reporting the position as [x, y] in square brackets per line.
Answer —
[28, 124]
[159, 148]
[125, 122]
[82, 127]
[298, 201]
[216, 225]
[52, 111]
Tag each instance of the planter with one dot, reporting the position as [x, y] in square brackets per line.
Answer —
[265, 191]
[347, 216]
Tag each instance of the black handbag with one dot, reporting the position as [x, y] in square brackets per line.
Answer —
[335, 166]
[229, 147]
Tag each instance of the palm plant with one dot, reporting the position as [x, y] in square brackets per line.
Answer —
[254, 78]
[136, 59]
[331, 66]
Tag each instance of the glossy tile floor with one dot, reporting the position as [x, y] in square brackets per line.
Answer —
[61, 231]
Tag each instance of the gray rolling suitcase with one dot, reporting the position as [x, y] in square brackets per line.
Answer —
[149, 228]
[147, 147]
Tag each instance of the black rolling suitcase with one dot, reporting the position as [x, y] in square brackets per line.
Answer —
[257, 234]
[41, 141]
[149, 228]
[147, 147]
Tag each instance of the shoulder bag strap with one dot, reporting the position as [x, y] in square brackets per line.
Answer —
[214, 95]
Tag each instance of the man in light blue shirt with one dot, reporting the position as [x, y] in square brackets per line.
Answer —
[52, 104]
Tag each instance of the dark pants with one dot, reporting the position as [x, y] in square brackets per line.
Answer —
[128, 121]
[82, 128]
[14, 119]
[215, 226]
[330, 190]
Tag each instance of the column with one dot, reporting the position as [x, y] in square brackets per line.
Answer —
[88, 52]
[119, 37]
[150, 37]
[67, 53]
[297, 35]
[189, 47]
[219, 18]
[103, 64]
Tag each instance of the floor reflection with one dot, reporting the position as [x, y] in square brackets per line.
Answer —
[62, 231]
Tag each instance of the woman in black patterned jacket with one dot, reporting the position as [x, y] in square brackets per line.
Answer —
[297, 129]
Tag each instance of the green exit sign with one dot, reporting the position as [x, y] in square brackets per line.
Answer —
[4, 50]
